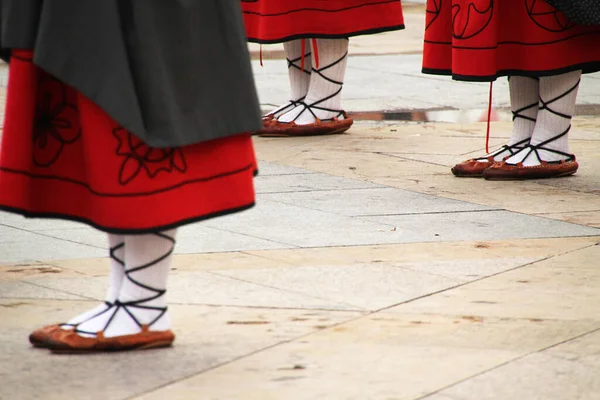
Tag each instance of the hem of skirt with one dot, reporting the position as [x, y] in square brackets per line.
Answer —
[587, 68]
[125, 231]
[327, 36]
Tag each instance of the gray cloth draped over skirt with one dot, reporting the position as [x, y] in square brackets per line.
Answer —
[583, 12]
[172, 72]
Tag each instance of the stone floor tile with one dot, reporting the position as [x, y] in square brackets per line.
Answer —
[181, 262]
[9, 234]
[39, 247]
[194, 238]
[17, 221]
[206, 338]
[468, 270]
[367, 286]
[366, 104]
[356, 165]
[535, 377]
[206, 288]
[373, 202]
[35, 290]
[432, 252]
[298, 226]
[376, 357]
[224, 261]
[21, 272]
[82, 235]
[266, 168]
[587, 218]
[406, 138]
[441, 396]
[201, 238]
[307, 183]
[584, 258]
[518, 196]
[538, 291]
[584, 349]
[479, 225]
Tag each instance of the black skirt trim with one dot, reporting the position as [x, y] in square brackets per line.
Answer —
[122, 231]
[327, 36]
[587, 68]
[153, 192]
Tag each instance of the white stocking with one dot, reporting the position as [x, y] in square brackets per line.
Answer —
[550, 139]
[524, 95]
[141, 300]
[117, 272]
[323, 100]
[299, 77]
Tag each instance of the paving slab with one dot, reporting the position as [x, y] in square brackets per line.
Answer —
[460, 252]
[202, 288]
[366, 286]
[306, 183]
[37, 247]
[225, 334]
[546, 375]
[268, 169]
[303, 227]
[384, 356]
[374, 202]
[480, 225]
[539, 291]
[33, 290]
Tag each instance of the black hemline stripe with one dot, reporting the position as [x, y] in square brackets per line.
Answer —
[125, 231]
[587, 68]
[99, 194]
[327, 36]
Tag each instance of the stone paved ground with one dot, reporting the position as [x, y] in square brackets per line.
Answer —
[366, 271]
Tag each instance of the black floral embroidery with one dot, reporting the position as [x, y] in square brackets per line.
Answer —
[56, 122]
[547, 17]
[139, 156]
[433, 11]
[472, 18]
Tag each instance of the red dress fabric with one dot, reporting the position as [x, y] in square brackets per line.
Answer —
[479, 40]
[274, 21]
[62, 156]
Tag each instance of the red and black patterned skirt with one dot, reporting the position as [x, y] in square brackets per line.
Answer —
[480, 40]
[274, 21]
[63, 157]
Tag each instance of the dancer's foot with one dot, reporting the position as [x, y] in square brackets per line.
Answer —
[39, 337]
[474, 167]
[547, 155]
[320, 112]
[138, 319]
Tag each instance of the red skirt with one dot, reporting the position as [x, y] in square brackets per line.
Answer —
[479, 40]
[63, 157]
[274, 21]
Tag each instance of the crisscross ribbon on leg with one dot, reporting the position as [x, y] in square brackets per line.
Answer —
[315, 105]
[293, 103]
[515, 147]
[112, 254]
[130, 306]
[534, 149]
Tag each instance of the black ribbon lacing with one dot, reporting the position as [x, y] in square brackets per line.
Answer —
[520, 145]
[293, 103]
[315, 105]
[112, 253]
[126, 306]
[534, 149]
